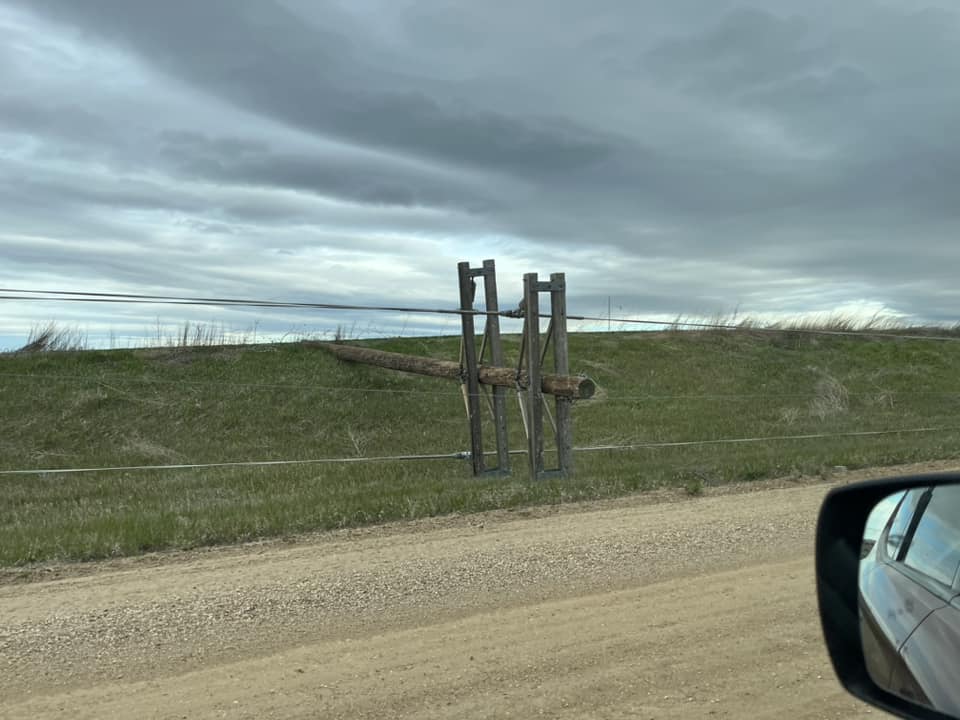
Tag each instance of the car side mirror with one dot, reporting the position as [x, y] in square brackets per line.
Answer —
[888, 586]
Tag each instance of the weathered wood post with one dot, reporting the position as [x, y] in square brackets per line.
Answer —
[471, 377]
[496, 358]
[528, 378]
[561, 360]
[534, 396]
[533, 354]
[472, 363]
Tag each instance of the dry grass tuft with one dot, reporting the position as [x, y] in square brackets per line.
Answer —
[52, 338]
[830, 398]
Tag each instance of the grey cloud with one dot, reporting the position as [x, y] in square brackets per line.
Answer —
[76, 133]
[195, 268]
[747, 48]
[746, 146]
[186, 143]
[66, 189]
[227, 182]
[796, 95]
[347, 176]
[68, 121]
[578, 162]
[264, 59]
[62, 203]
[105, 261]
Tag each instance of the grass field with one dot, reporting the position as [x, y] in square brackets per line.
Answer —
[97, 408]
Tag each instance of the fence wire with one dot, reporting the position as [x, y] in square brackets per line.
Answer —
[15, 294]
[720, 397]
[466, 455]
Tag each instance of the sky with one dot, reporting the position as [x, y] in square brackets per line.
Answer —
[692, 157]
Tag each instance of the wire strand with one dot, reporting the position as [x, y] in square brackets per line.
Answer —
[75, 296]
[747, 329]
[241, 463]
[748, 396]
[762, 438]
[78, 296]
[465, 455]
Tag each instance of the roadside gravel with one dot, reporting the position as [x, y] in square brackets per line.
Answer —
[63, 629]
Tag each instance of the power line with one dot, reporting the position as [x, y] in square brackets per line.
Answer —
[77, 296]
[747, 328]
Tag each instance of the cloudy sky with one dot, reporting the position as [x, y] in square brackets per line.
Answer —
[684, 157]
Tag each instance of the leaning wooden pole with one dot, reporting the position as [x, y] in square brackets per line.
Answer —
[569, 386]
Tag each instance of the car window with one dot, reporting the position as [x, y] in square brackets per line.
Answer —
[901, 521]
[934, 548]
[880, 516]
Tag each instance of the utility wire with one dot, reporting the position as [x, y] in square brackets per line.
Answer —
[76, 296]
[748, 329]
[465, 455]
[73, 296]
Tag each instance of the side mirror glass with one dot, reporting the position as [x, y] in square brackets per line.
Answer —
[888, 584]
[909, 602]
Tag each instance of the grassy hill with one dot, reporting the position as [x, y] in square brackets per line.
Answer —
[96, 408]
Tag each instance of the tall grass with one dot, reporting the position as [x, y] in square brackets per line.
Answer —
[826, 323]
[51, 337]
[54, 337]
[217, 403]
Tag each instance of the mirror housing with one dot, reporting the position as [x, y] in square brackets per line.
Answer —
[839, 545]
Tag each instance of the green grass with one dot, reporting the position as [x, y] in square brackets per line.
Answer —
[97, 408]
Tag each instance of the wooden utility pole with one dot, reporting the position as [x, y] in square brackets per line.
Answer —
[471, 379]
[531, 353]
[531, 364]
[561, 363]
[471, 361]
[528, 378]
[496, 356]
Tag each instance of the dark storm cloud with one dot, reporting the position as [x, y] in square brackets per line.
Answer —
[687, 157]
[747, 47]
[66, 121]
[347, 176]
[265, 59]
[350, 176]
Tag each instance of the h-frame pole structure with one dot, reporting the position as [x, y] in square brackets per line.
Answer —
[472, 360]
[533, 353]
[528, 378]
[530, 365]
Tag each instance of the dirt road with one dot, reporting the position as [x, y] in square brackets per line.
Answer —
[660, 606]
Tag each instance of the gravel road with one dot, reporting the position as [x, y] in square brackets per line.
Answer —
[656, 606]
